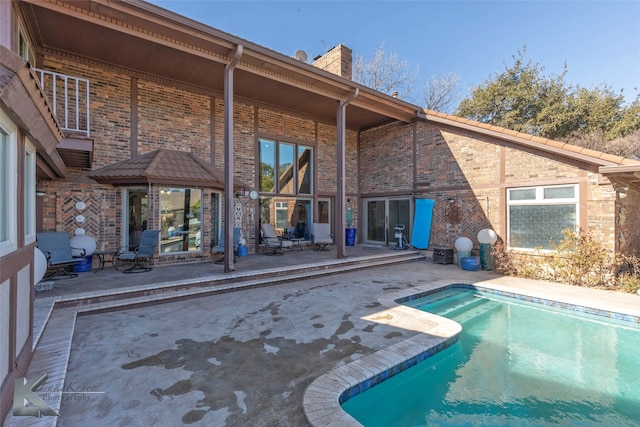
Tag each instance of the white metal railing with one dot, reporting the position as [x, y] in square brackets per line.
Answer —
[69, 97]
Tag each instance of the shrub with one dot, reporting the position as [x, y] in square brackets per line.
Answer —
[578, 260]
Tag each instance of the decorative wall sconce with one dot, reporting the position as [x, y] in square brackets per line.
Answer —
[40, 193]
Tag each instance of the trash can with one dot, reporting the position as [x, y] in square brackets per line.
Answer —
[350, 236]
[486, 256]
[243, 251]
[83, 265]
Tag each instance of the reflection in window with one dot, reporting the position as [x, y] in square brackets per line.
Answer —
[290, 216]
[294, 168]
[137, 215]
[305, 170]
[180, 219]
[286, 169]
[267, 166]
[537, 216]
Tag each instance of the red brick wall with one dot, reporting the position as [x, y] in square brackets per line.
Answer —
[386, 159]
[474, 172]
[173, 117]
[471, 171]
[628, 223]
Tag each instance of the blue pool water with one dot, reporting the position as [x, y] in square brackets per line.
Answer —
[515, 364]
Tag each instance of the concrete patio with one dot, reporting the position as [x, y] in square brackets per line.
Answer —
[245, 355]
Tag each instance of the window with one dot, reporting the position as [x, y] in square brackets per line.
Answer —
[289, 215]
[180, 219]
[538, 215]
[8, 185]
[25, 50]
[29, 193]
[292, 173]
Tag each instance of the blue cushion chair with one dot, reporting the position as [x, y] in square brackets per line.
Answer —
[56, 247]
[142, 253]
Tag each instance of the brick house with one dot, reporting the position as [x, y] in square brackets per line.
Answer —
[129, 117]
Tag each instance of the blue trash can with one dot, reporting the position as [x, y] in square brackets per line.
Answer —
[84, 265]
[350, 236]
[243, 251]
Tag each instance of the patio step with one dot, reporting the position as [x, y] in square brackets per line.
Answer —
[207, 285]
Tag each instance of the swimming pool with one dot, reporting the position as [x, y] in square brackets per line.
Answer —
[516, 363]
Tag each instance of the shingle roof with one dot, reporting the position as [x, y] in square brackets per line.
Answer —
[168, 167]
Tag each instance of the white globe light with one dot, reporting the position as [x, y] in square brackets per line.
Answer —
[82, 241]
[487, 236]
[463, 244]
[39, 265]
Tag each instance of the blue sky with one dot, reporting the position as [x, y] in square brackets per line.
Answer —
[599, 41]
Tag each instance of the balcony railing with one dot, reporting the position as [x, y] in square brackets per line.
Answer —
[69, 97]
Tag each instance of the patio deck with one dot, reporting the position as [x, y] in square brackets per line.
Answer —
[256, 351]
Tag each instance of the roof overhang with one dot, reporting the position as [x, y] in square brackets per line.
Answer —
[22, 100]
[164, 167]
[626, 174]
[598, 159]
[188, 52]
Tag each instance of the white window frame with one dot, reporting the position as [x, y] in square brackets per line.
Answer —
[540, 201]
[9, 185]
[29, 192]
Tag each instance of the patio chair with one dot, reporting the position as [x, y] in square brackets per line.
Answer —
[217, 247]
[56, 247]
[273, 242]
[143, 253]
[321, 236]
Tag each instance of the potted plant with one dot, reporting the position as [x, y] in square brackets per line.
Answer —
[350, 233]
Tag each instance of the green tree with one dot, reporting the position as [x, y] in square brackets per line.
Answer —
[524, 99]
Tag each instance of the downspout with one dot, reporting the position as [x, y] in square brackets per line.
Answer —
[228, 159]
[340, 196]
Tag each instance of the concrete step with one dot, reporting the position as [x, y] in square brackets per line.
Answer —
[163, 292]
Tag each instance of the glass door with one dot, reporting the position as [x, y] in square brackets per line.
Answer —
[399, 214]
[323, 212]
[383, 215]
[136, 216]
[376, 221]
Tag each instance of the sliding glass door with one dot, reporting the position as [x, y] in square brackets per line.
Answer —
[382, 216]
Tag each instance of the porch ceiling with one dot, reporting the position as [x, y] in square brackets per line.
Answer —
[145, 38]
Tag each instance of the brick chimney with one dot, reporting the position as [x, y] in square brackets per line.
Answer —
[337, 61]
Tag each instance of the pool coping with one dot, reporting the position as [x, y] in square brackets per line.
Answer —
[324, 396]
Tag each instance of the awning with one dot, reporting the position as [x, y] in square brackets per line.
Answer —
[164, 167]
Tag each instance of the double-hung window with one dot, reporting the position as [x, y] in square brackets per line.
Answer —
[537, 216]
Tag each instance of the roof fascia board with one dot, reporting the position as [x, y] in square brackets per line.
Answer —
[521, 141]
[620, 169]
